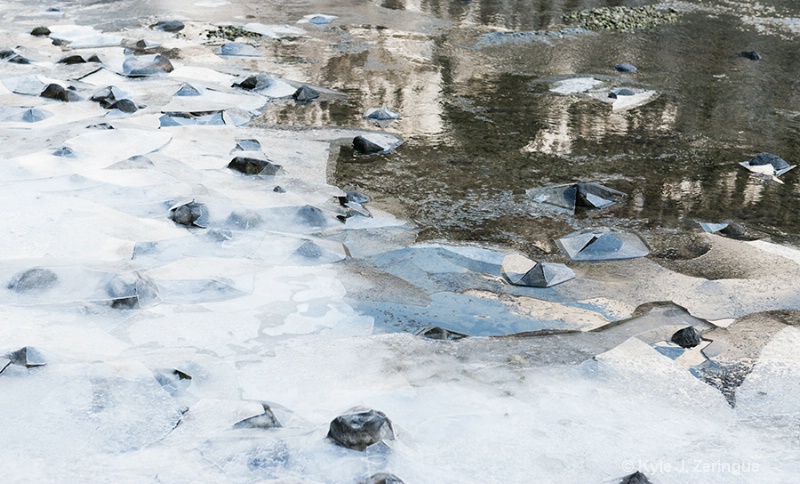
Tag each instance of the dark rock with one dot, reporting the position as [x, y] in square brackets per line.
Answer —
[206, 118]
[750, 54]
[440, 333]
[733, 230]
[244, 220]
[36, 279]
[625, 67]
[72, 59]
[635, 478]
[279, 189]
[266, 420]
[100, 126]
[128, 292]
[187, 90]
[305, 95]
[382, 478]
[366, 147]
[108, 96]
[769, 159]
[255, 82]
[168, 26]
[360, 429]
[59, 93]
[173, 381]
[40, 31]
[309, 250]
[146, 65]
[28, 357]
[254, 166]
[11, 56]
[191, 214]
[687, 337]
[124, 105]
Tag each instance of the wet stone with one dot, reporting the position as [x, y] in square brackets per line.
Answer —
[266, 420]
[59, 93]
[625, 67]
[366, 147]
[687, 337]
[146, 65]
[28, 357]
[40, 31]
[254, 166]
[168, 26]
[750, 54]
[382, 478]
[305, 95]
[36, 279]
[438, 333]
[191, 214]
[635, 478]
[124, 105]
[358, 429]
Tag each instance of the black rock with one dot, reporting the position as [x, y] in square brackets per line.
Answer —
[382, 478]
[191, 214]
[358, 430]
[769, 159]
[72, 59]
[168, 26]
[254, 166]
[635, 478]
[40, 31]
[28, 357]
[620, 92]
[17, 59]
[127, 292]
[100, 126]
[107, 96]
[750, 54]
[305, 95]
[436, 332]
[366, 147]
[36, 279]
[279, 189]
[687, 337]
[59, 93]
[266, 420]
[625, 67]
[733, 230]
[124, 105]
[255, 82]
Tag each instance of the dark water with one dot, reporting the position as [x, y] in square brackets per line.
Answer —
[468, 112]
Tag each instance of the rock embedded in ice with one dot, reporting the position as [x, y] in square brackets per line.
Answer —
[247, 145]
[108, 96]
[687, 337]
[360, 428]
[311, 216]
[750, 54]
[602, 243]
[317, 19]
[255, 82]
[366, 147]
[78, 59]
[438, 333]
[575, 85]
[305, 95]
[571, 196]
[768, 164]
[189, 214]
[614, 93]
[636, 478]
[40, 31]
[382, 478]
[187, 90]
[254, 166]
[266, 420]
[146, 65]
[279, 189]
[728, 229]
[128, 291]
[168, 26]
[125, 106]
[36, 279]
[521, 271]
[10, 55]
[625, 67]
[60, 93]
[173, 381]
[383, 116]
[28, 357]
[64, 152]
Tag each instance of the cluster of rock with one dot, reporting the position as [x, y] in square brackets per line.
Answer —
[622, 19]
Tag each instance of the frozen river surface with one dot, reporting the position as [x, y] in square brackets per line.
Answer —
[201, 274]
